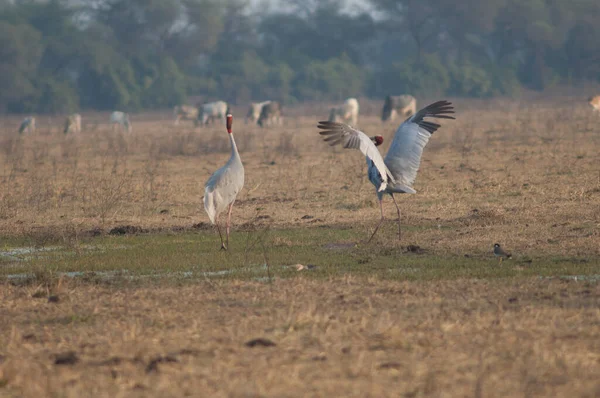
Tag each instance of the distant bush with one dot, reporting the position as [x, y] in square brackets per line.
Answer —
[428, 76]
[55, 96]
[504, 81]
[470, 80]
[163, 84]
[334, 79]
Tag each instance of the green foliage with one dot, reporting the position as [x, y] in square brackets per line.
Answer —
[20, 53]
[470, 80]
[279, 83]
[426, 76]
[336, 78]
[110, 86]
[505, 81]
[59, 55]
[55, 96]
[160, 83]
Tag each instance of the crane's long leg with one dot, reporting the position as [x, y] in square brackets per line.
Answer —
[380, 221]
[397, 209]
[223, 247]
[229, 222]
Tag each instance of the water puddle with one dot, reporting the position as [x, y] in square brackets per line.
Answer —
[27, 253]
[576, 278]
[125, 274]
[405, 270]
[339, 246]
[23, 253]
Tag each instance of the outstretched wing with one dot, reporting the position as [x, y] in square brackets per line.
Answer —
[349, 137]
[404, 156]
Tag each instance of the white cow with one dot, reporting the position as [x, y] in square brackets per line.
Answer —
[403, 105]
[120, 119]
[73, 123]
[185, 112]
[254, 111]
[28, 124]
[270, 114]
[213, 111]
[346, 113]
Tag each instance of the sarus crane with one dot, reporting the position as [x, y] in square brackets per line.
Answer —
[397, 172]
[222, 187]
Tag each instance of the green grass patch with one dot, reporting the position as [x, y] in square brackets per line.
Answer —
[266, 254]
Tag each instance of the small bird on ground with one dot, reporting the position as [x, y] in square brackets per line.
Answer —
[222, 187]
[500, 253]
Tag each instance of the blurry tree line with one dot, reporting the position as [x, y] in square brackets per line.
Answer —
[64, 55]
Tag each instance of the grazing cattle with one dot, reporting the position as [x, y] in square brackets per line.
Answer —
[213, 111]
[254, 111]
[185, 112]
[270, 114]
[73, 124]
[403, 105]
[595, 102]
[346, 113]
[28, 124]
[120, 120]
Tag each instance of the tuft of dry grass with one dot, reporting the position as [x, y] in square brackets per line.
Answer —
[340, 337]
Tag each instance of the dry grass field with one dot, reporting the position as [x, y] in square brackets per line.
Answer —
[343, 337]
[112, 282]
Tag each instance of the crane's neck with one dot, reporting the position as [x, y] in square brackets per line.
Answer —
[234, 150]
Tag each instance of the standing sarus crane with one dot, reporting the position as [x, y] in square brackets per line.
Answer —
[222, 187]
[397, 172]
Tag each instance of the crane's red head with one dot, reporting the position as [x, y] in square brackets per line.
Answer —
[229, 123]
[377, 139]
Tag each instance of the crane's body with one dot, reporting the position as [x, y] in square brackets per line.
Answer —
[396, 172]
[223, 186]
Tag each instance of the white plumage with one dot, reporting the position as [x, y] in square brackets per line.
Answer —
[396, 173]
[222, 188]
[350, 137]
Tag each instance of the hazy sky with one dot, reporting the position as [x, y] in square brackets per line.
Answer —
[352, 6]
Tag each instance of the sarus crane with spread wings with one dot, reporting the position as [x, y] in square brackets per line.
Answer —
[397, 172]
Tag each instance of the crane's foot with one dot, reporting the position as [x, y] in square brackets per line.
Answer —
[223, 247]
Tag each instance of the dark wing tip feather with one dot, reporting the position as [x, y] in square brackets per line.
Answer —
[430, 126]
[328, 124]
[440, 109]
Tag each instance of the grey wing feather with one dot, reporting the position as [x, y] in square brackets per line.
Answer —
[349, 137]
[404, 156]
